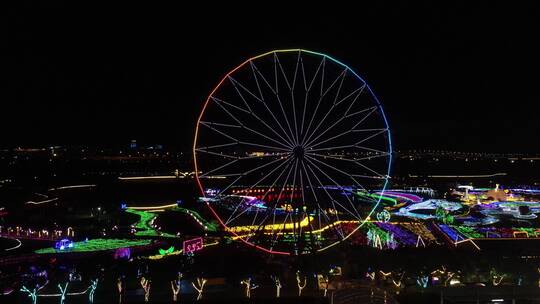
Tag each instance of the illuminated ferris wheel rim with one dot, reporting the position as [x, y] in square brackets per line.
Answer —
[219, 84]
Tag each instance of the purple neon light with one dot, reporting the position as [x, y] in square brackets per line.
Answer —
[401, 235]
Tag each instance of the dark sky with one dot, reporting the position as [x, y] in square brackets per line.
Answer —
[455, 77]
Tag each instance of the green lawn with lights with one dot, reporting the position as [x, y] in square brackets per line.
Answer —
[97, 245]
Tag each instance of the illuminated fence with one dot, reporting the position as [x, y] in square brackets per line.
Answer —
[41, 234]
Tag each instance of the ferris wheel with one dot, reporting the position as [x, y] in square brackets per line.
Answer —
[283, 145]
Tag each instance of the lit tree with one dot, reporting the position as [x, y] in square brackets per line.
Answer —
[371, 275]
[63, 292]
[444, 274]
[538, 270]
[384, 275]
[33, 293]
[247, 282]
[145, 284]
[397, 283]
[324, 282]
[301, 285]
[449, 276]
[278, 286]
[175, 286]
[199, 287]
[92, 287]
[120, 287]
[496, 278]
[422, 281]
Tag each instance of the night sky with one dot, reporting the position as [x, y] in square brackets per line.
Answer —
[455, 77]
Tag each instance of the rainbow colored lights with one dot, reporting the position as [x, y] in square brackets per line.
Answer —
[378, 198]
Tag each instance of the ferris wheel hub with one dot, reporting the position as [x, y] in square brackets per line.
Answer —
[298, 152]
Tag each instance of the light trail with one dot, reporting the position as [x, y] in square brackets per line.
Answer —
[72, 187]
[152, 207]
[16, 246]
[41, 202]
[461, 176]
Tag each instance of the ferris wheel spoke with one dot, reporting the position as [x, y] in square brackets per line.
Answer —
[292, 99]
[348, 132]
[229, 220]
[370, 130]
[303, 73]
[351, 176]
[291, 90]
[303, 202]
[377, 155]
[292, 199]
[380, 132]
[342, 117]
[305, 212]
[219, 124]
[206, 148]
[357, 91]
[285, 145]
[275, 92]
[309, 144]
[370, 109]
[218, 168]
[221, 101]
[373, 150]
[323, 63]
[263, 146]
[254, 71]
[276, 60]
[307, 90]
[334, 168]
[330, 197]
[285, 141]
[276, 57]
[334, 201]
[276, 89]
[354, 160]
[237, 84]
[371, 170]
[319, 208]
[355, 214]
[240, 175]
[331, 148]
[310, 184]
[211, 127]
[262, 179]
[251, 112]
[217, 154]
[342, 74]
[363, 119]
[235, 159]
[262, 224]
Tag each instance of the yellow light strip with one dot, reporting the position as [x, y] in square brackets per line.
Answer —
[148, 208]
[287, 226]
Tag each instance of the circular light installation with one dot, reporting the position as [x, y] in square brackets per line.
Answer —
[287, 137]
